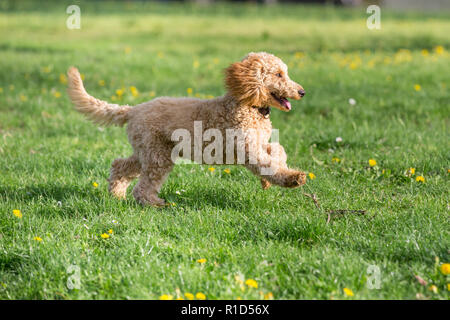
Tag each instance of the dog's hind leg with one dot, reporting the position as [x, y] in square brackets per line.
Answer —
[123, 171]
[147, 189]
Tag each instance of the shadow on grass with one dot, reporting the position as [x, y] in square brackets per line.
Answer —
[50, 193]
[12, 263]
[219, 197]
[197, 199]
[46, 191]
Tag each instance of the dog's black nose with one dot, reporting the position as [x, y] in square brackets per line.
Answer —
[301, 92]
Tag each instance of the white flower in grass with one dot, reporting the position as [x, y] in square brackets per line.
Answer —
[115, 222]
[338, 139]
[352, 101]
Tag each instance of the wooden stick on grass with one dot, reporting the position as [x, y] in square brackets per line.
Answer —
[330, 213]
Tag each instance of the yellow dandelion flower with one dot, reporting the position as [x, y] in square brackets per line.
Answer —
[411, 171]
[196, 64]
[216, 60]
[62, 78]
[46, 69]
[445, 268]
[439, 50]
[211, 169]
[17, 213]
[354, 65]
[179, 298]
[203, 260]
[420, 179]
[134, 91]
[336, 159]
[372, 162]
[348, 292]
[95, 184]
[268, 296]
[113, 98]
[238, 298]
[425, 52]
[152, 93]
[110, 231]
[1, 90]
[433, 288]
[82, 76]
[200, 296]
[251, 283]
[127, 50]
[101, 83]
[312, 176]
[448, 286]
[119, 92]
[189, 90]
[57, 94]
[417, 87]
[299, 55]
[39, 239]
[104, 235]
[189, 296]
[166, 297]
[227, 171]
[23, 98]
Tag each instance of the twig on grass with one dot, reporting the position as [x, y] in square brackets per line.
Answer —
[314, 198]
[342, 212]
[331, 213]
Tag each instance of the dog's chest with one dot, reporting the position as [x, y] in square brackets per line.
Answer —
[250, 119]
[256, 119]
[259, 118]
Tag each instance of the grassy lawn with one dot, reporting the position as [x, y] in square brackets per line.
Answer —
[51, 158]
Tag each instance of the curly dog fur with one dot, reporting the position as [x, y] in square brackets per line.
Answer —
[258, 81]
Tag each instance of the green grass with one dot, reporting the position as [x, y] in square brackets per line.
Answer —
[50, 155]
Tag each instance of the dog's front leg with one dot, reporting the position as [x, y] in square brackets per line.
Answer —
[269, 162]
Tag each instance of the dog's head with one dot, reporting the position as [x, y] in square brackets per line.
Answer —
[260, 80]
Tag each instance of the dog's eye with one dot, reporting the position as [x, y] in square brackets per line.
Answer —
[279, 75]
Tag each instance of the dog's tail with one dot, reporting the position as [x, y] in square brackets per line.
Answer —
[99, 111]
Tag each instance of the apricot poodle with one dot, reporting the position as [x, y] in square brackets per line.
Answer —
[254, 84]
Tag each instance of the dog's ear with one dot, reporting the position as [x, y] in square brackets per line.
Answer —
[244, 81]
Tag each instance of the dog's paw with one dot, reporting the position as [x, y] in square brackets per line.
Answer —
[265, 184]
[296, 179]
[152, 200]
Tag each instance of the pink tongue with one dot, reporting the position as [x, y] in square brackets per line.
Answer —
[286, 103]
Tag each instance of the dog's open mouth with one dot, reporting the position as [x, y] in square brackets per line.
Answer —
[282, 101]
